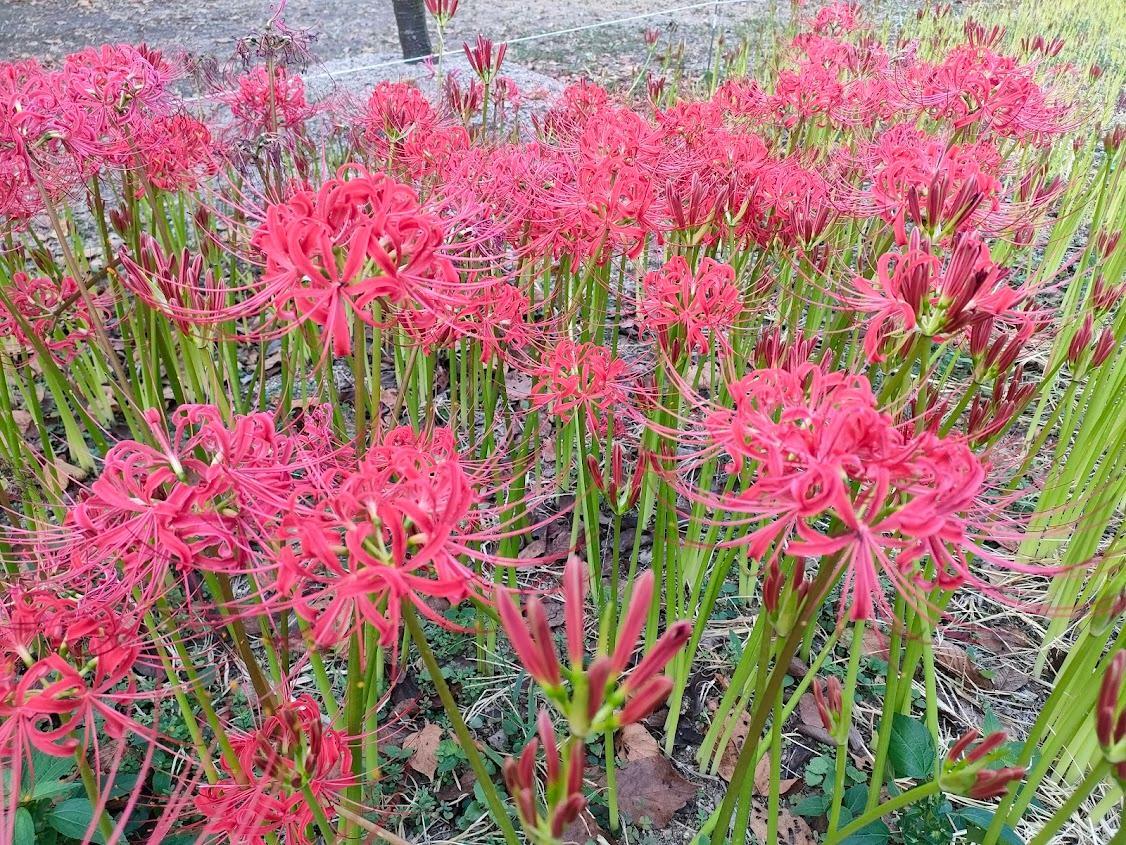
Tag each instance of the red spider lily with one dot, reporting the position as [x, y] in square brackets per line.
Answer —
[703, 305]
[262, 103]
[580, 378]
[402, 527]
[359, 239]
[830, 706]
[442, 10]
[494, 314]
[180, 286]
[290, 754]
[115, 91]
[33, 155]
[563, 797]
[973, 85]
[916, 293]
[621, 495]
[610, 696]
[204, 500]
[176, 152]
[484, 61]
[67, 669]
[967, 769]
[55, 313]
[822, 450]
[403, 131]
[942, 188]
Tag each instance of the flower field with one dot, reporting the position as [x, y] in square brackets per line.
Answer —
[735, 457]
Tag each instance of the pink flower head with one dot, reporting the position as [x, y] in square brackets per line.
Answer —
[291, 750]
[702, 307]
[402, 527]
[181, 286]
[614, 694]
[916, 292]
[562, 788]
[265, 104]
[54, 313]
[822, 452]
[484, 59]
[360, 238]
[969, 768]
[176, 152]
[580, 378]
[203, 499]
[493, 313]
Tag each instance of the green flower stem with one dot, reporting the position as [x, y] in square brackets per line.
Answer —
[774, 800]
[90, 783]
[748, 756]
[461, 730]
[322, 822]
[847, 698]
[354, 697]
[918, 793]
[611, 781]
[891, 689]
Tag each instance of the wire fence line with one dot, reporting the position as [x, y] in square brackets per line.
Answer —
[539, 36]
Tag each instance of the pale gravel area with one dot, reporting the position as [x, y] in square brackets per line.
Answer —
[50, 28]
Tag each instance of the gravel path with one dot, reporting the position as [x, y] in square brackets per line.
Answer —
[348, 28]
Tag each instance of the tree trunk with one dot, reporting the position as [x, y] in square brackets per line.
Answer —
[410, 18]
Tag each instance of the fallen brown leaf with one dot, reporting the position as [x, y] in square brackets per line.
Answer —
[636, 743]
[582, 830]
[652, 789]
[536, 548]
[874, 643]
[762, 778]
[424, 744]
[957, 662]
[792, 830]
[730, 756]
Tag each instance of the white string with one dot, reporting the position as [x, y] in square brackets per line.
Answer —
[519, 40]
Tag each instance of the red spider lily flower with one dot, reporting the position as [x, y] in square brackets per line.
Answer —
[620, 495]
[823, 452]
[176, 152]
[915, 293]
[403, 131]
[942, 188]
[973, 85]
[55, 313]
[701, 306]
[359, 239]
[1110, 715]
[262, 103]
[68, 667]
[562, 788]
[204, 500]
[494, 314]
[404, 526]
[114, 92]
[830, 705]
[482, 58]
[967, 769]
[612, 695]
[180, 286]
[580, 378]
[291, 753]
[442, 10]
[33, 156]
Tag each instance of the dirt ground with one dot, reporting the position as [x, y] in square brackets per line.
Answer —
[52, 28]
